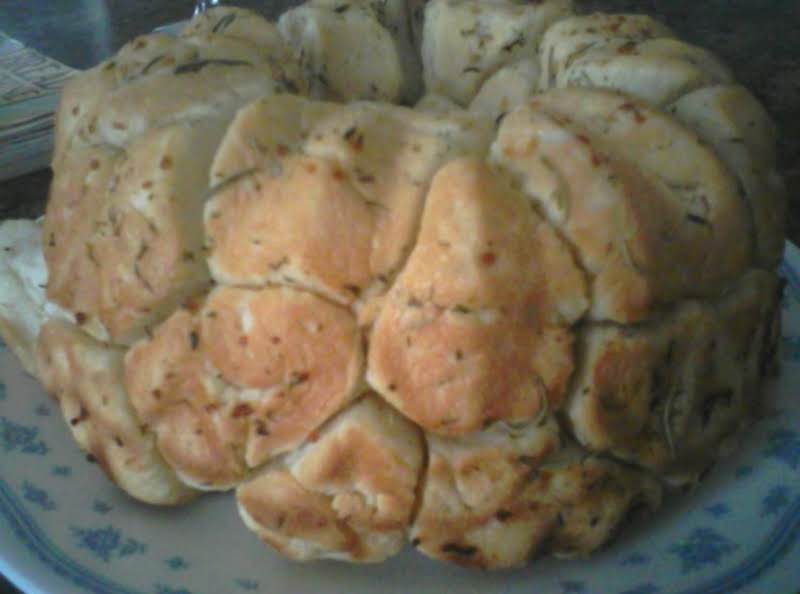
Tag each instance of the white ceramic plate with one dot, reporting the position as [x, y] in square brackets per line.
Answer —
[64, 529]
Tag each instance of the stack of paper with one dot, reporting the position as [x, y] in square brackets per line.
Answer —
[30, 84]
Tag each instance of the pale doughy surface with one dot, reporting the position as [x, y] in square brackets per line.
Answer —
[23, 280]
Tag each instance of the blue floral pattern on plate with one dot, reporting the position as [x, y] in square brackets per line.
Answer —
[784, 445]
[61, 470]
[776, 500]
[648, 588]
[177, 563]
[107, 542]
[64, 528]
[718, 510]
[704, 546]
[37, 496]
[14, 436]
[162, 589]
[101, 507]
[247, 585]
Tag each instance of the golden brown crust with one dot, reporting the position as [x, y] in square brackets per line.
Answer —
[666, 395]
[131, 169]
[475, 328]
[147, 242]
[248, 377]
[77, 196]
[500, 497]
[305, 353]
[385, 155]
[347, 494]
[167, 381]
[306, 223]
[634, 192]
[86, 377]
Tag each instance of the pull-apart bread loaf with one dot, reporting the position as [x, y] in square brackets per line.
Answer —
[495, 325]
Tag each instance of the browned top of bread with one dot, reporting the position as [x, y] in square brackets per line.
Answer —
[475, 328]
[248, 377]
[347, 494]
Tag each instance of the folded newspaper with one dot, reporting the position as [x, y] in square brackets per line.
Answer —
[30, 83]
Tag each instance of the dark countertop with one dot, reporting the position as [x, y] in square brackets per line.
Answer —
[759, 39]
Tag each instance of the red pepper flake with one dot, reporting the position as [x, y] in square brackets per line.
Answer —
[634, 110]
[339, 175]
[242, 410]
[275, 340]
[596, 159]
[166, 162]
[313, 437]
[488, 258]
[281, 150]
[243, 341]
[80, 317]
[354, 138]
[298, 377]
[146, 185]
[583, 138]
[192, 305]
